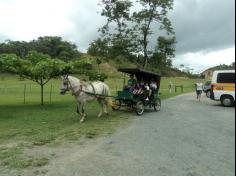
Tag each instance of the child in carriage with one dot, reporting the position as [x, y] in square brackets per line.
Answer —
[153, 88]
[138, 88]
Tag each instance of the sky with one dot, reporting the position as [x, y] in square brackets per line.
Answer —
[205, 29]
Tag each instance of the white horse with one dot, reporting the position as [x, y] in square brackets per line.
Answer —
[84, 92]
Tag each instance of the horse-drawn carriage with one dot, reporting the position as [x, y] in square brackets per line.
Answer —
[126, 98]
[86, 91]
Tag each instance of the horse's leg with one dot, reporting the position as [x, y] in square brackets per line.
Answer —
[105, 103]
[101, 104]
[80, 109]
[83, 116]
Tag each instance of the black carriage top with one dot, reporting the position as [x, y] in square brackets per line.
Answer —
[146, 76]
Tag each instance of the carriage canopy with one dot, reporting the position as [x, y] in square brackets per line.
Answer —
[141, 74]
[146, 76]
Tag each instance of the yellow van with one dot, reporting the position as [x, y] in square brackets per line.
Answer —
[223, 87]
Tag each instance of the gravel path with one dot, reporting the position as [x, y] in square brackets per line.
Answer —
[187, 138]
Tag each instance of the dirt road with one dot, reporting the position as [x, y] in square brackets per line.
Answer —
[187, 138]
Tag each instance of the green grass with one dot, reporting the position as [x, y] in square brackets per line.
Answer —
[57, 121]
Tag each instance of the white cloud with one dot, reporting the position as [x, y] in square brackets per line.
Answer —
[201, 61]
[29, 19]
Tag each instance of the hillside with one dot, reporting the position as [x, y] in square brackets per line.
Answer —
[110, 67]
[222, 67]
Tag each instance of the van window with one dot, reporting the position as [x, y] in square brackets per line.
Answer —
[226, 78]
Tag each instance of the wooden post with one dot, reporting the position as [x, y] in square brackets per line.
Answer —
[51, 94]
[179, 86]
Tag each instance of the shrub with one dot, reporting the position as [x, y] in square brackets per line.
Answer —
[96, 76]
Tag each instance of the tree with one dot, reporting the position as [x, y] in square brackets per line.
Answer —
[21, 49]
[53, 46]
[36, 67]
[164, 52]
[152, 11]
[99, 47]
[116, 33]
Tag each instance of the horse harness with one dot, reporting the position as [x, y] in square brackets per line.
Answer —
[77, 93]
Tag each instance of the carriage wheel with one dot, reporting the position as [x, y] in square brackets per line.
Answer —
[116, 105]
[139, 108]
[157, 104]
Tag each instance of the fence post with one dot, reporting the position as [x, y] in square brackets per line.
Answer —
[179, 86]
[51, 94]
[24, 92]
[5, 88]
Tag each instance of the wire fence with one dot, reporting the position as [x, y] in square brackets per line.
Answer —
[28, 93]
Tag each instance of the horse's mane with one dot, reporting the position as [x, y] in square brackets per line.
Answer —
[74, 80]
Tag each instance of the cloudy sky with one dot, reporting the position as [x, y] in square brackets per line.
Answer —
[204, 28]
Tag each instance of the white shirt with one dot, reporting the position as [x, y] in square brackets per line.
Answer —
[153, 85]
[199, 86]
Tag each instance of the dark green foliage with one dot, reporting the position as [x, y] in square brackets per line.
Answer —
[96, 76]
[55, 47]
[99, 47]
[164, 52]
[21, 49]
[224, 67]
[80, 66]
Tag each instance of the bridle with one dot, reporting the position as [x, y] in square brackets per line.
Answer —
[68, 83]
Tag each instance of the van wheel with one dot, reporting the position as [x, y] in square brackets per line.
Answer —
[208, 94]
[227, 101]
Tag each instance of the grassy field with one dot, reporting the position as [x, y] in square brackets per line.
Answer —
[29, 125]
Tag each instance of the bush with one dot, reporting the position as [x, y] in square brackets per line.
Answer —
[96, 76]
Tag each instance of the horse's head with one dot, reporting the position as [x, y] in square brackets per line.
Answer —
[65, 86]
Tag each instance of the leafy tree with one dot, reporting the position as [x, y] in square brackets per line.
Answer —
[165, 51]
[98, 47]
[55, 47]
[96, 76]
[21, 49]
[50, 45]
[152, 11]
[116, 32]
[36, 67]
[116, 11]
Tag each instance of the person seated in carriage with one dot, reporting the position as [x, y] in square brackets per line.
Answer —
[153, 88]
[138, 88]
[130, 84]
[142, 89]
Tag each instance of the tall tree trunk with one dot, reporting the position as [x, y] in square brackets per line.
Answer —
[145, 62]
